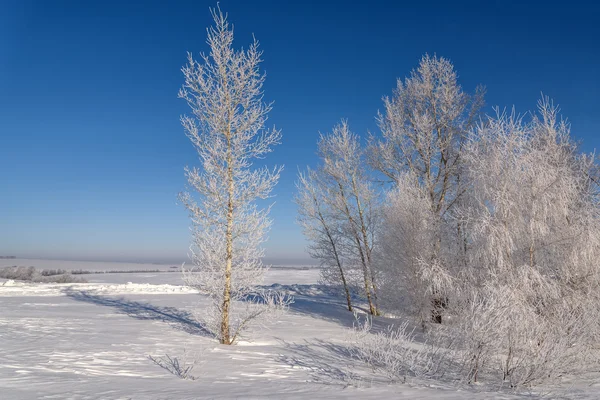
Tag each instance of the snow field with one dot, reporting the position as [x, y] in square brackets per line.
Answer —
[92, 341]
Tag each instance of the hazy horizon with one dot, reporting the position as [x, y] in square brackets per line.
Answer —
[165, 261]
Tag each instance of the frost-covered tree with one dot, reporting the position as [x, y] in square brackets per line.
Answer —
[227, 127]
[531, 289]
[352, 202]
[525, 306]
[423, 128]
[409, 277]
[323, 230]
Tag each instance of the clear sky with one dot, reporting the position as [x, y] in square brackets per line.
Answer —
[91, 149]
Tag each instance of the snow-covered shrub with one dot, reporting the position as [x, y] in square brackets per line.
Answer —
[50, 272]
[391, 352]
[183, 366]
[397, 353]
[31, 274]
[18, 273]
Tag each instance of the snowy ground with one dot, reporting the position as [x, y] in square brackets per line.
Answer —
[92, 341]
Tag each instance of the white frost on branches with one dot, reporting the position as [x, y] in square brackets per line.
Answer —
[339, 213]
[494, 225]
[324, 231]
[227, 128]
[423, 128]
[530, 304]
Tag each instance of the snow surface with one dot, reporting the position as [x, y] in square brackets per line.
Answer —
[92, 341]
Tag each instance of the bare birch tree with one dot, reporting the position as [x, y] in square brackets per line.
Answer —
[423, 132]
[227, 127]
[323, 230]
[352, 200]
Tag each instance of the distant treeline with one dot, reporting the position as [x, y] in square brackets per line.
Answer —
[7, 257]
[61, 275]
[31, 274]
[83, 272]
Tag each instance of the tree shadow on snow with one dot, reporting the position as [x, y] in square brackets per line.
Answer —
[327, 363]
[317, 301]
[321, 302]
[179, 319]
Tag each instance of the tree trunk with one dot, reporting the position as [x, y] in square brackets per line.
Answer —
[363, 229]
[372, 309]
[359, 247]
[438, 303]
[336, 255]
[374, 286]
[339, 264]
[225, 334]
[348, 300]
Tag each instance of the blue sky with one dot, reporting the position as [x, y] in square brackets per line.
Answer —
[91, 149]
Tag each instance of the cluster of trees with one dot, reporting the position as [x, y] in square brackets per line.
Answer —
[492, 221]
[393, 202]
[489, 225]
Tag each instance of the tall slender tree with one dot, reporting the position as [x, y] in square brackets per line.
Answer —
[227, 127]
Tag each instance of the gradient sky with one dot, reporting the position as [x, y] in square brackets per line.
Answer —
[91, 149]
